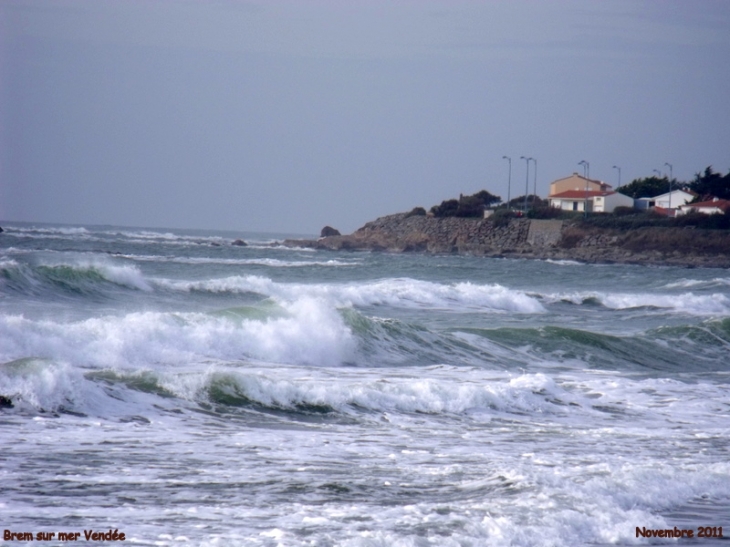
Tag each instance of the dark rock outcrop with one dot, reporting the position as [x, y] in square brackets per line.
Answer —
[329, 231]
[239, 243]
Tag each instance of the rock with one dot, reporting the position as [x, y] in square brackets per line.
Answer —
[239, 243]
[526, 238]
[329, 231]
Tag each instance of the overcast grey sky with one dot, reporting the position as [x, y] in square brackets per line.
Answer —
[284, 116]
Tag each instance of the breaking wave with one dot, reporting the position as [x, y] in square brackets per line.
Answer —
[398, 292]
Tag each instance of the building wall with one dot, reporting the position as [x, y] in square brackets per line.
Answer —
[678, 198]
[576, 182]
[569, 204]
[610, 202]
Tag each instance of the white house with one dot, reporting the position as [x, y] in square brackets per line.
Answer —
[596, 201]
[675, 197]
[610, 200]
[706, 207]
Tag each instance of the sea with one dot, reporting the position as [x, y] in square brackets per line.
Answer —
[166, 387]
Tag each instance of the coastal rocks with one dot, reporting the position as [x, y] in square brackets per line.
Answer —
[329, 231]
[239, 243]
[531, 238]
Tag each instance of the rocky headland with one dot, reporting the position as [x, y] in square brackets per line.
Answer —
[532, 238]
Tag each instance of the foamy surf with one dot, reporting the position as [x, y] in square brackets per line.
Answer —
[391, 292]
[187, 391]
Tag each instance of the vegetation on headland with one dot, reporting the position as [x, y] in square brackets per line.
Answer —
[626, 235]
[705, 185]
[466, 206]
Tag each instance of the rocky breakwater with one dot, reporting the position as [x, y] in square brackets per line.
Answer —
[413, 233]
[529, 238]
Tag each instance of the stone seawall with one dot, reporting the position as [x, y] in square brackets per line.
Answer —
[530, 238]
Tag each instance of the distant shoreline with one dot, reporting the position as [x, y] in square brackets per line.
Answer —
[531, 238]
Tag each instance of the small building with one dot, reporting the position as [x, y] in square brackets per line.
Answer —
[593, 201]
[575, 182]
[607, 202]
[675, 198]
[706, 207]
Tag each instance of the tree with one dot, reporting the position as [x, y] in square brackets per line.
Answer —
[710, 184]
[648, 187]
[465, 206]
[486, 198]
[532, 201]
[447, 208]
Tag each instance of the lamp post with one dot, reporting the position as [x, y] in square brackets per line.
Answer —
[670, 185]
[534, 185]
[527, 179]
[509, 179]
[586, 173]
[619, 175]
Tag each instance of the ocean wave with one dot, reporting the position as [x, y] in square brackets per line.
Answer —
[304, 332]
[563, 262]
[717, 282]
[396, 292]
[271, 262]
[476, 394]
[65, 231]
[46, 385]
[689, 303]
[77, 276]
[149, 236]
[690, 348]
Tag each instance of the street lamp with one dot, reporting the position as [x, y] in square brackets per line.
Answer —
[534, 186]
[509, 179]
[586, 173]
[670, 185]
[619, 175]
[527, 179]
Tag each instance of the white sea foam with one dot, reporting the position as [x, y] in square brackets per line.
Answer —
[527, 394]
[121, 274]
[8, 263]
[400, 292]
[311, 333]
[272, 262]
[70, 230]
[563, 262]
[126, 275]
[720, 282]
[690, 303]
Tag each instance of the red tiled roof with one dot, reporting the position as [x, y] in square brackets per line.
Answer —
[580, 194]
[720, 204]
[664, 211]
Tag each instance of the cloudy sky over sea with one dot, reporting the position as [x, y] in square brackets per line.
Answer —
[288, 115]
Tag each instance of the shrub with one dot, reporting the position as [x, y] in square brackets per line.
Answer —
[447, 208]
[623, 211]
[470, 206]
[501, 217]
[416, 212]
[465, 206]
[544, 211]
